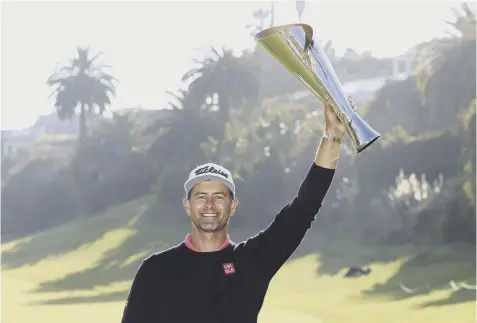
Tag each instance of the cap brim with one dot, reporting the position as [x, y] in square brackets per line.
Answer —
[207, 177]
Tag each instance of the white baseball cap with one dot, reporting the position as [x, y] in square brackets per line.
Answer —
[210, 172]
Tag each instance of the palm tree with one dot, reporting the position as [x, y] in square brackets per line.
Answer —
[82, 83]
[226, 79]
[261, 16]
[180, 132]
[449, 63]
[300, 7]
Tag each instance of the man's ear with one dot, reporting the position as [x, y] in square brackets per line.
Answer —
[234, 207]
[186, 204]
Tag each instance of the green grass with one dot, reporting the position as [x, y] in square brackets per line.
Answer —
[58, 275]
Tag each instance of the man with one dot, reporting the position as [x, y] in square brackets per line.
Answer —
[207, 278]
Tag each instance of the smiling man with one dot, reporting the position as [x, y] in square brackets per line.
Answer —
[210, 203]
[208, 278]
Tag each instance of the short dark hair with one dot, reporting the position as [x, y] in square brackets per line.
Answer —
[189, 194]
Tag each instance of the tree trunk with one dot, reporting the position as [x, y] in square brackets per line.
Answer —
[82, 123]
[224, 107]
[272, 15]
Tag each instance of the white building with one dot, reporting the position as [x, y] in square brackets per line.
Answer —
[403, 66]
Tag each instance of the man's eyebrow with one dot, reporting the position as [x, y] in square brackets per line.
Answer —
[216, 193]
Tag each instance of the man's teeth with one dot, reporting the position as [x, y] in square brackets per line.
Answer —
[209, 214]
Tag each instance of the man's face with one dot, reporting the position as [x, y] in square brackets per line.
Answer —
[210, 206]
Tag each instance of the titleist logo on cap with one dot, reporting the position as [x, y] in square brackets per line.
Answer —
[212, 169]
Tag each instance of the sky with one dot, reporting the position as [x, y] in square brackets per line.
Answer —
[150, 45]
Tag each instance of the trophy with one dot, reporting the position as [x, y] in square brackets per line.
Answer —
[293, 47]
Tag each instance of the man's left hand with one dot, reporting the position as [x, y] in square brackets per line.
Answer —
[334, 127]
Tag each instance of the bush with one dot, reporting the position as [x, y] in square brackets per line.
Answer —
[38, 195]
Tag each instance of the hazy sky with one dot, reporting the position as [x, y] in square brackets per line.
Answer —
[151, 44]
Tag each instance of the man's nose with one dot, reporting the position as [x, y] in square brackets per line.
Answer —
[209, 202]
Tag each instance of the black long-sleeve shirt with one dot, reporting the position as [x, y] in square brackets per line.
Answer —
[180, 285]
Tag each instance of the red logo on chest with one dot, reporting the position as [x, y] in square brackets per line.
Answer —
[229, 268]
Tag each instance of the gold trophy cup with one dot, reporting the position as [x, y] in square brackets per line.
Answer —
[293, 47]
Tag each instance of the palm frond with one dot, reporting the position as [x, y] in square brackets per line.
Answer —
[82, 81]
[433, 55]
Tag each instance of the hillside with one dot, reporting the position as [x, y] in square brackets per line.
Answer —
[57, 275]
